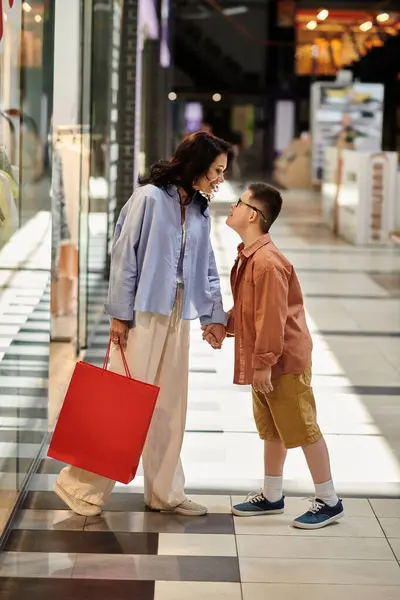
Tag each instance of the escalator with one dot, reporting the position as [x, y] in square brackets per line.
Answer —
[199, 57]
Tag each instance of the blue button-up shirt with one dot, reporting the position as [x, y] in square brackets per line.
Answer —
[145, 255]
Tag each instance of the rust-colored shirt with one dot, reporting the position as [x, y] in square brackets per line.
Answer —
[268, 318]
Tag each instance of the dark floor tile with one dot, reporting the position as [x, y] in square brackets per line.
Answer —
[43, 501]
[15, 372]
[39, 316]
[15, 465]
[81, 542]
[37, 327]
[22, 437]
[345, 296]
[15, 355]
[153, 522]
[49, 466]
[117, 503]
[384, 334]
[158, 568]
[26, 413]
[42, 308]
[75, 589]
[43, 343]
[99, 344]
[172, 523]
[24, 391]
[96, 362]
[389, 281]
[363, 390]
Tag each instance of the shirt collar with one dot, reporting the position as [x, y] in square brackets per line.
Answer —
[250, 250]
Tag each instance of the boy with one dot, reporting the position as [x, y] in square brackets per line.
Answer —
[273, 353]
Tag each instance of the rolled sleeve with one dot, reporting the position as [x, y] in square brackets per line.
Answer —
[271, 305]
[119, 311]
[262, 361]
[218, 315]
[230, 326]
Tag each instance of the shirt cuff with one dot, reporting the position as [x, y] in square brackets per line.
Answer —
[119, 311]
[262, 361]
[230, 326]
[218, 316]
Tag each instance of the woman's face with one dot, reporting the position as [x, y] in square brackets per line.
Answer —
[210, 182]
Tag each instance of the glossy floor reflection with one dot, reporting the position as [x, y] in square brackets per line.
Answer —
[167, 557]
[352, 298]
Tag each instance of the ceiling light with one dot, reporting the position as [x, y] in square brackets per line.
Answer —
[366, 26]
[383, 17]
[27, 7]
[38, 18]
[172, 96]
[235, 10]
[312, 25]
[217, 97]
[323, 14]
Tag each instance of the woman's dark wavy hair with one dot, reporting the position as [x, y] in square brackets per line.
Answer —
[192, 159]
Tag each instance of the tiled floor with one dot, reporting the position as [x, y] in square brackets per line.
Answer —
[167, 557]
[352, 298]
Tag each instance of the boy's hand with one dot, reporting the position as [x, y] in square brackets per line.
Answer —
[214, 334]
[262, 381]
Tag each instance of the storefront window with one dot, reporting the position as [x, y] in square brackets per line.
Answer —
[26, 52]
[84, 155]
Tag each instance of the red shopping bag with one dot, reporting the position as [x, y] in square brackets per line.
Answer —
[104, 421]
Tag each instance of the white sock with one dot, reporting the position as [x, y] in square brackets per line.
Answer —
[272, 489]
[326, 492]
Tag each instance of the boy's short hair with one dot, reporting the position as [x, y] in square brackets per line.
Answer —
[271, 201]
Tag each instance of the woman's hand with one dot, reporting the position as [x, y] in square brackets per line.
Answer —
[119, 332]
[214, 334]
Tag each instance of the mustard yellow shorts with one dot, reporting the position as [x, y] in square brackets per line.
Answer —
[289, 412]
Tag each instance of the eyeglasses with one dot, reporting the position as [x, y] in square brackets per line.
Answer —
[240, 201]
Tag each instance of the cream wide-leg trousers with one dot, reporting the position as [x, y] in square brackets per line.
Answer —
[157, 353]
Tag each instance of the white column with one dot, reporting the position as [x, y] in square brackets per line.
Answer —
[67, 64]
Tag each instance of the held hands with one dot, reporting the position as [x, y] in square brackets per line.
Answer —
[214, 334]
[119, 332]
[262, 381]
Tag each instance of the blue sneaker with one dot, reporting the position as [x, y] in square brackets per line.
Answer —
[319, 515]
[256, 505]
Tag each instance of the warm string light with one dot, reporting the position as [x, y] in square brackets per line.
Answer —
[383, 17]
[323, 14]
[366, 26]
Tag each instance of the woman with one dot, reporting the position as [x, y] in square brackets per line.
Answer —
[163, 274]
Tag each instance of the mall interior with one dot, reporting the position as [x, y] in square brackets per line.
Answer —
[92, 93]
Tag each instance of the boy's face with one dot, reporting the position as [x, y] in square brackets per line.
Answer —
[241, 215]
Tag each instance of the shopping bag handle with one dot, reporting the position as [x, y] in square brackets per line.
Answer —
[125, 363]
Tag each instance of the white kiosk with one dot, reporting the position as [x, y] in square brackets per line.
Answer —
[362, 206]
[329, 188]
